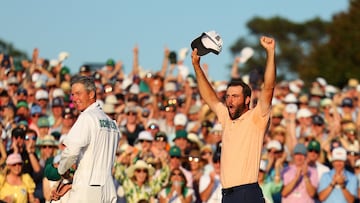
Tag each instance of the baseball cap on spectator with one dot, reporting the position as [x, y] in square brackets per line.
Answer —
[221, 88]
[208, 42]
[294, 88]
[160, 136]
[152, 124]
[338, 154]
[110, 62]
[303, 99]
[314, 145]
[18, 132]
[12, 80]
[194, 138]
[57, 102]
[325, 102]
[321, 81]
[58, 92]
[43, 122]
[316, 91]
[21, 91]
[175, 151]
[41, 94]
[194, 109]
[300, 149]
[347, 102]
[145, 136]
[64, 70]
[22, 104]
[169, 87]
[35, 109]
[111, 99]
[84, 68]
[180, 134]
[274, 144]
[216, 128]
[180, 119]
[47, 140]
[317, 120]
[67, 112]
[108, 108]
[22, 123]
[303, 113]
[14, 158]
[314, 104]
[290, 99]
[132, 109]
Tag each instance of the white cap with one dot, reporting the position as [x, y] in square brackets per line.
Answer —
[58, 92]
[216, 128]
[111, 99]
[108, 108]
[221, 87]
[274, 144]
[290, 98]
[245, 54]
[170, 86]
[145, 135]
[303, 113]
[180, 119]
[338, 154]
[294, 88]
[41, 94]
[321, 81]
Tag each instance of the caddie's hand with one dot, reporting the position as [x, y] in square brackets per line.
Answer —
[267, 42]
[195, 58]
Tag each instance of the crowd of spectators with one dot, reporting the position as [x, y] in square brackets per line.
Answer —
[170, 146]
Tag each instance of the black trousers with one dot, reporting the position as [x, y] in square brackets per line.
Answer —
[248, 193]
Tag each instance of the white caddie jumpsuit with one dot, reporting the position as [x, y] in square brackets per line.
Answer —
[92, 142]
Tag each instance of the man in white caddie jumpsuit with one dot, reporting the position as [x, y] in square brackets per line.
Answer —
[91, 143]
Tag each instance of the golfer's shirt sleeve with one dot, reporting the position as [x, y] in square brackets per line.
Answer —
[77, 138]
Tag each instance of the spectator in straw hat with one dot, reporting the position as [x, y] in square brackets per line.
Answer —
[138, 182]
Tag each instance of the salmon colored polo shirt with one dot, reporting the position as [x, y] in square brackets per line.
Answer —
[242, 141]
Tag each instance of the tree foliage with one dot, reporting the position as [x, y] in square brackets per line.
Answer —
[310, 49]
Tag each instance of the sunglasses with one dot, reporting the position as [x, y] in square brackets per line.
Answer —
[195, 159]
[27, 137]
[141, 141]
[160, 139]
[174, 157]
[275, 152]
[36, 115]
[17, 164]
[141, 170]
[47, 146]
[131, 114]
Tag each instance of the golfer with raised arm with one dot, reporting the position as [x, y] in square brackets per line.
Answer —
[243, 128]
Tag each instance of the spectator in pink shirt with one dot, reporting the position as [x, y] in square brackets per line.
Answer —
[300, 181]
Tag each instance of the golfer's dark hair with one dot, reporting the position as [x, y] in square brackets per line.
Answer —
[239, 82]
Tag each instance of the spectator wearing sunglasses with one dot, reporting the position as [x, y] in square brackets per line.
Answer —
[16, 186]
[176, 190]
[138, 181]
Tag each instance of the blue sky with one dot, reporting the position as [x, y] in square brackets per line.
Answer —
[93, 31]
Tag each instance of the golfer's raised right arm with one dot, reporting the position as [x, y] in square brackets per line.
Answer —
[206, 90]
